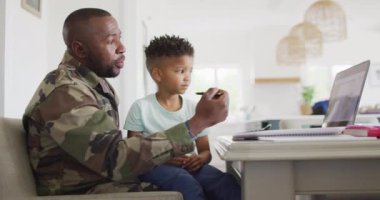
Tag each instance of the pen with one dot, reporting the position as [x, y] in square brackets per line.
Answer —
[218, 94]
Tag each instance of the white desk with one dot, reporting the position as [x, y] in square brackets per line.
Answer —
[279, 171]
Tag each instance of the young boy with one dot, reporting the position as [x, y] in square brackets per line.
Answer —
[169, 61]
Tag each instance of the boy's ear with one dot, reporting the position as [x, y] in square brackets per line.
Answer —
[156, 74]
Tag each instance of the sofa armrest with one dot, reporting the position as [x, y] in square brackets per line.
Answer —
[118, 196]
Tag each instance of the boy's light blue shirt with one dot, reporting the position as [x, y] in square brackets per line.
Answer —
[148, 116]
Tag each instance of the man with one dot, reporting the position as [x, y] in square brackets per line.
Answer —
[74, 142]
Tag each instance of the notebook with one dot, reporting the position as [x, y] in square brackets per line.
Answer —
[343, 105]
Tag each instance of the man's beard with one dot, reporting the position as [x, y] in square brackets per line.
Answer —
[101, 70]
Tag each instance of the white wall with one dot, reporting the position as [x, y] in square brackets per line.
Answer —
[128, 84]
[284, 99]
[251, 49]
[272, 99]
[56, 13]
[29, 59]
[131, 85]
[34, 46]
[361, 45]
[25, 56]
[215, 48]
[209, 30]
[227, 47]
[2, 48]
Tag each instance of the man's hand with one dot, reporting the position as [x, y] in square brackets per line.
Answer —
[211, 109]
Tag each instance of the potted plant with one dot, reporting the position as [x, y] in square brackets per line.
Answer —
[307, 98]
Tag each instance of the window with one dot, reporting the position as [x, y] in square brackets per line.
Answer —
[322, 78]
[228, 77]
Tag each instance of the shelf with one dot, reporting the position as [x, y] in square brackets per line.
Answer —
[277, 80]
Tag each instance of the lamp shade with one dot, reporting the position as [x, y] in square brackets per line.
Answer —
[311, 36]
[330, 18]
[291, 51]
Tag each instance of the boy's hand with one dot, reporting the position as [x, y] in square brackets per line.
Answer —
[177, 161]
[134, 134]
[211, 109]
[193, 163]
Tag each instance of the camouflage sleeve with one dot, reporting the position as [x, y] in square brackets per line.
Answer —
[84, 131]
[140, 154]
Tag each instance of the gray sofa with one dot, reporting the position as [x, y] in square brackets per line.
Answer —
[16, 179]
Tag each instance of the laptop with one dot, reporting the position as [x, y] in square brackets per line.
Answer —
[343, 105]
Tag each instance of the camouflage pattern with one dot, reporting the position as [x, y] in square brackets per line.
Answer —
[73, 137]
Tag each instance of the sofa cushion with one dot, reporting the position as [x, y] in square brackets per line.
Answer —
[16, 180]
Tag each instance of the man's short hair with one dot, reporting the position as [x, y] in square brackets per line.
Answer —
[82, 14]
[167, 46]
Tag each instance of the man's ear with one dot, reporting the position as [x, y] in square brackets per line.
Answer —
[79, 49]
[156, 74]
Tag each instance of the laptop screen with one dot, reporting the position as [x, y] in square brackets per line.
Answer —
[345, 96]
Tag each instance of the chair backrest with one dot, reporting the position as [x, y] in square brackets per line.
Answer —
[16, 178]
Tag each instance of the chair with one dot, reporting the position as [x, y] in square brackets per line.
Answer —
[16, 178]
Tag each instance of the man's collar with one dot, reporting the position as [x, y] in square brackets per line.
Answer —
[89, 76]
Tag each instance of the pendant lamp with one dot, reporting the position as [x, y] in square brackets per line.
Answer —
[291, 51]
[311, 36]
[330, 18]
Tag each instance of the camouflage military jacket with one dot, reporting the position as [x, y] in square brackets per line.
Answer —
[73, 137]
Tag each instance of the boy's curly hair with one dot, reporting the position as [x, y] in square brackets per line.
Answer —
[167, 46]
